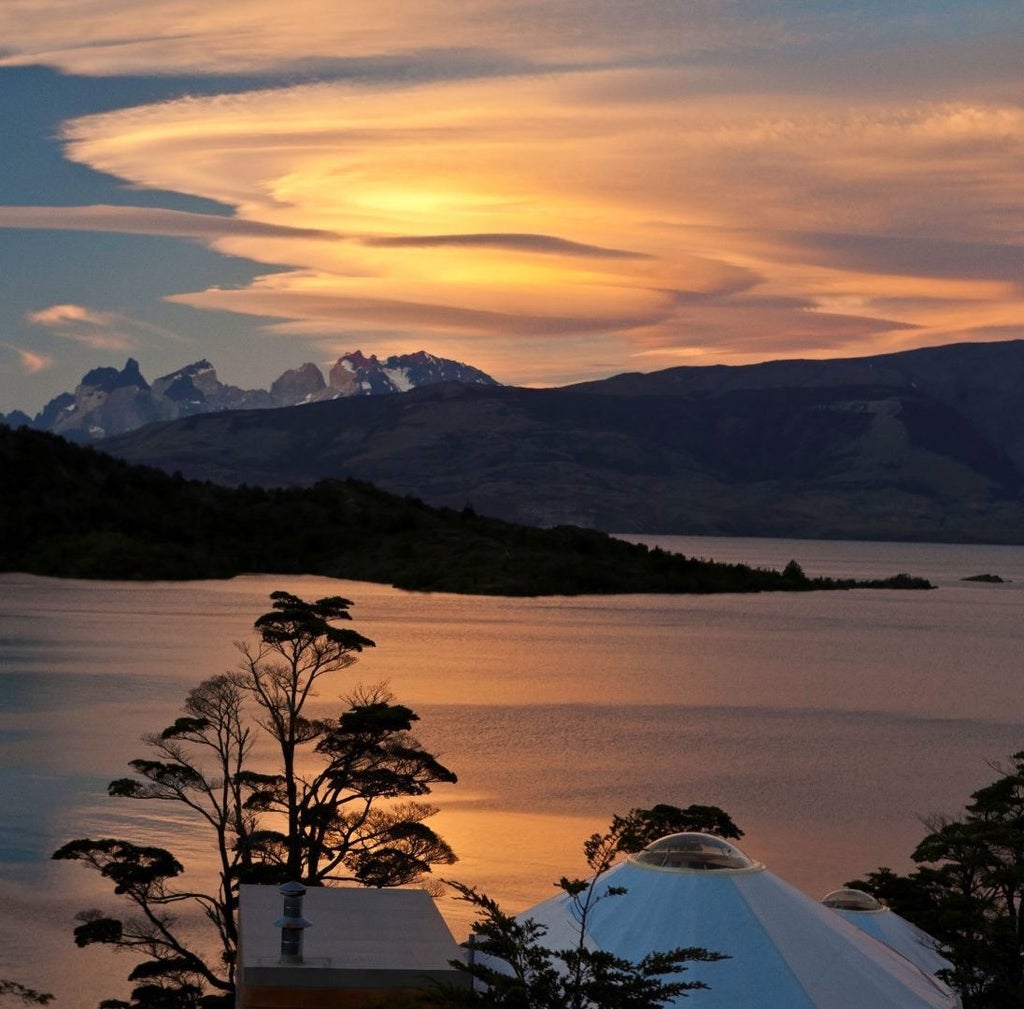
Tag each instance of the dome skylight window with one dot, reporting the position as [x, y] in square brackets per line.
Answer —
[694, 853]
[852, 900]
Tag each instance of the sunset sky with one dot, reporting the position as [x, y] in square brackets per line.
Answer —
[550, 190]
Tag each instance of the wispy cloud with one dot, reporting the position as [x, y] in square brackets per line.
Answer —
[130, 220]
[30, 362]
[100, 330]
[68, 315]
[545, 244]
[321, 314]
[247, 36]
[910, 256]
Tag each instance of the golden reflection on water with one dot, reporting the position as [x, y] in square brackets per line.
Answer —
[824, 724]
[511, 858]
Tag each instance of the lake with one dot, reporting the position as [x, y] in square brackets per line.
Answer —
[826, 724]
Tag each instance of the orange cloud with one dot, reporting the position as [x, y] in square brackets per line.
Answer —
[539, 175]
[29, 361]
[62, 315]
[109, 37]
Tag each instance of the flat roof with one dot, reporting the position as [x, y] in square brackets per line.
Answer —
[351, 928]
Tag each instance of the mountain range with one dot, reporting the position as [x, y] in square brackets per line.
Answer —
[108, 402]
[919, 445]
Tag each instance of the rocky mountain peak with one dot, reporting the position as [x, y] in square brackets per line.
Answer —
[304, 384]
[108, 379]
[355, 374]
[200, 371]
[109, 401]
[358, 360]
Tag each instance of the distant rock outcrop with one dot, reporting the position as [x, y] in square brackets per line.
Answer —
[16, 418]
[106, 401]
[109, 402]
[356, 375]
[304, 384]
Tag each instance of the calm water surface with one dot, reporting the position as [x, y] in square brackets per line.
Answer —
[825, 723]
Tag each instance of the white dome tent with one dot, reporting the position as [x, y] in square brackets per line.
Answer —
[786, 950]
[871, 916]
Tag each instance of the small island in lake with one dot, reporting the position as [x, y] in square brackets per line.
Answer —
[992, 579]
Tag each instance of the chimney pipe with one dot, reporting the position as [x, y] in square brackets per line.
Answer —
[292, 923]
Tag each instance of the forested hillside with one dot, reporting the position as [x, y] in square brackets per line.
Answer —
[71, 511]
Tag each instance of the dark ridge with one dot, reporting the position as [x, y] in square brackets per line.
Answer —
[72, 511]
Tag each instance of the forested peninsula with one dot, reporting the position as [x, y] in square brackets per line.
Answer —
[72, 512]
